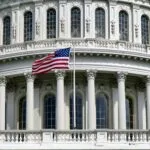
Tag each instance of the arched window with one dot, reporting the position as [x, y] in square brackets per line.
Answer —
[101, 111]
[78, 103]
[129, 113]
[123, 26]
[28, 26]
[49, 115]
[6, 30]
[22, 113]
[51, 23]
[75, 22]
[100, 22]
[144, 29]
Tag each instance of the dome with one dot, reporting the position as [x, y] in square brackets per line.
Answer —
[74, 73]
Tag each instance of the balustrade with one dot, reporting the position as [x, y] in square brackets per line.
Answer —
[75, 136]
[94, 44]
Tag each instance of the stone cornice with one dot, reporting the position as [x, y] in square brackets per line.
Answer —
[82, 46]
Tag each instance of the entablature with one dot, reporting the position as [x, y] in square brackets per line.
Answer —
[82, 47]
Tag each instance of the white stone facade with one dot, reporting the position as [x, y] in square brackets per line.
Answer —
[107, 66]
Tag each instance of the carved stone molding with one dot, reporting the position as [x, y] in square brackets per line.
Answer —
[62, 23]
[29, 77]
[148, 79]
[60, 74]
[87, 25]
[136, 31]
[91, 74]
[3, 81]
[14, 31]
[113, 27]
[121, 75]
[37, 27]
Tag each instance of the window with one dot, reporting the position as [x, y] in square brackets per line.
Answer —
[6, 30]
[123, 26]
[101, 111]
[49, 115]
[129, 113]
[144, 29]
[28, 26]
[75, 22]
[100, 22]
[51, 23]
[22, 113]
[78, 114]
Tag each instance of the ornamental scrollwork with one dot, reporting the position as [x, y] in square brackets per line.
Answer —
[91, 74]
[29, 77]
[87, 25]
[60, 74]
[3, 80]
[121, 75]
[62, 23]
[14, 32]
[113, 27]
[148, 79]
[136, 30]
[37, 26]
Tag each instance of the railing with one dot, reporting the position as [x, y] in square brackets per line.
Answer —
[75, 136]
[81, 45]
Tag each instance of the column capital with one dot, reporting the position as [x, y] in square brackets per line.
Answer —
[121, 75]
[3, 80]
[148, 79]
[29, 76]
[91, 74]
[60, 74]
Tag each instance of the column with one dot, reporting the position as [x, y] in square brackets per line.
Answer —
[122, 101]
[30, 102]
[141, 110]
[148, 101]
[2, 102]
[91, 100]
[115, 108]
[60, 101]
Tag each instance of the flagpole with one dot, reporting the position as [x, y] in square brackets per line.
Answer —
[74, 90]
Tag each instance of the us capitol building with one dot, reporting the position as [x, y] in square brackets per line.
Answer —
[110, 39]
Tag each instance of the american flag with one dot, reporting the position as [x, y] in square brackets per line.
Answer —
[57, 60]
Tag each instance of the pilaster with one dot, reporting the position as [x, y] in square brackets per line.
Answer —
[136, 27]
[15, 25]
[87, 21]
[62, 18]
[148, 101]
[112, 20]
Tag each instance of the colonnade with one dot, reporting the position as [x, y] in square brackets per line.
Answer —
[60, 117]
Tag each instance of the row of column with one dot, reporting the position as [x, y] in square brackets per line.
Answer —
[121, 123]
[60, 107]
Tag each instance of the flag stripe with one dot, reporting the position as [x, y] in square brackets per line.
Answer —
[50, 61]
[49, 65]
